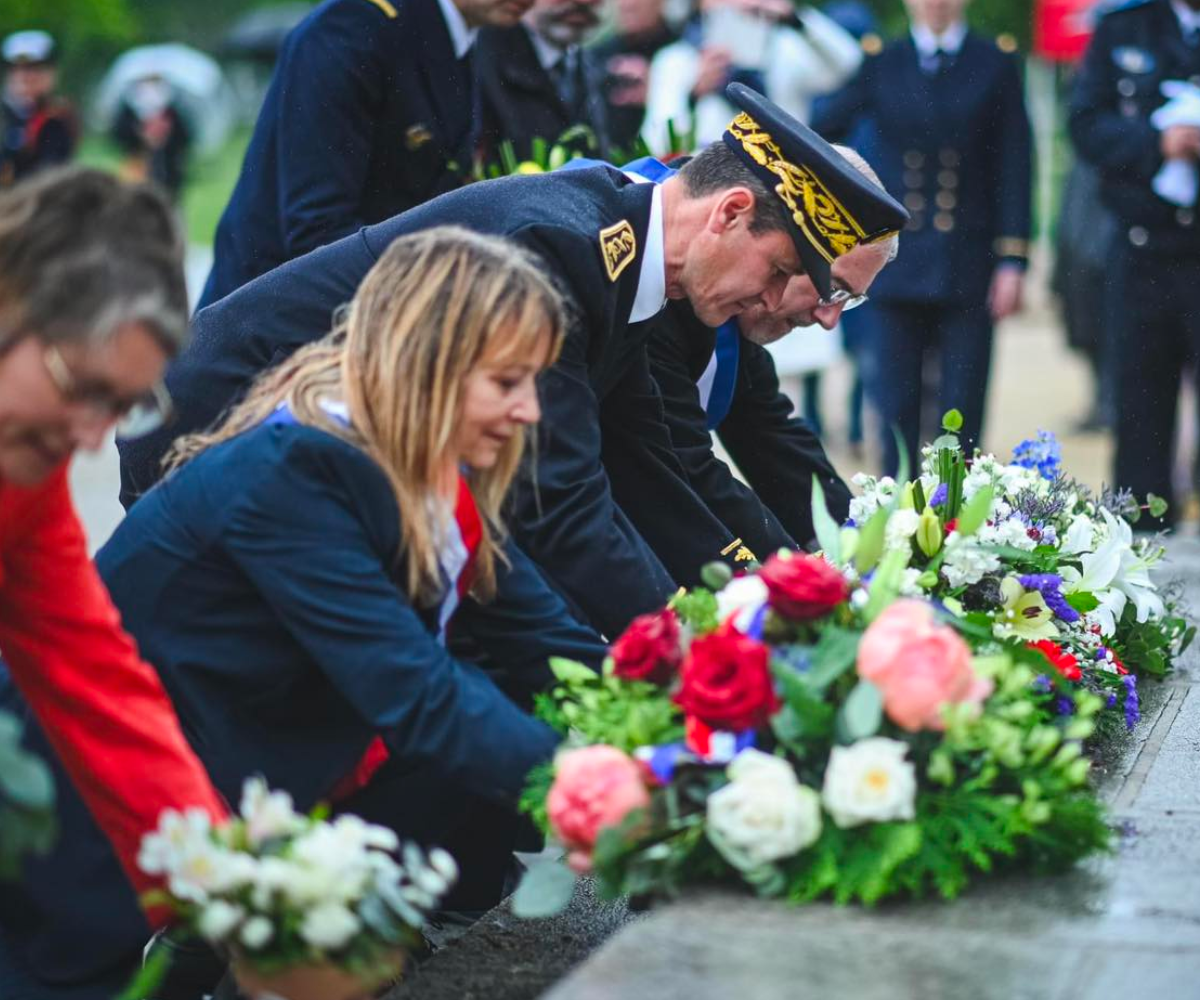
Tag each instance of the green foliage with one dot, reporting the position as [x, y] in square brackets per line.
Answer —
[545, 889]
[1150, 646]
[697, 609]
[861, 714]
[825, 527]
[1083, 602]
[952, 421]
[600, 708]
[535, 793]
[26, 800]
[975, 511]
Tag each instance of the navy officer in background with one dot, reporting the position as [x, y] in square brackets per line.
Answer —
[1138, 46]
[952, 138]
[727, 233]
[373, 110]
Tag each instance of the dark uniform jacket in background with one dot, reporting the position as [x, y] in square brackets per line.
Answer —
[45, 138]
[775, 450]
[522, 102]
[955, 147]
[600, 387]
[369, 113]
[1133, 51]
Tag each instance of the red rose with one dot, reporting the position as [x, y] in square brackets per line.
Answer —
[1062, 661]
[649, 649]
[726, 682]
[803, 587]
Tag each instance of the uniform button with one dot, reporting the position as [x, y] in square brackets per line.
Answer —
[946, 200]
[943, 222]
[1126, 87]
[1185, 216]
[915, 222]
[914, 159]
[914, 201]
[947, 179]
[913, 179]
[1138, 236]
[948, 157]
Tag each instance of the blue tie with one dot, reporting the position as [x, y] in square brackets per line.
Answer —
[721, 397]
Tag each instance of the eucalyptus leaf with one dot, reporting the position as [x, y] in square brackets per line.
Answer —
[545, 890]
[975, 511]
[826, 528]
[24, 779]
[862, 713]
[715, 575]
[1158, 506]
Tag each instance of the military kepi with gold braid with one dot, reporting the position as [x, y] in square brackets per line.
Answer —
[833, 207]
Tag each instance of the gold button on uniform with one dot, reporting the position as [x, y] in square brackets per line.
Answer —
[943, 222]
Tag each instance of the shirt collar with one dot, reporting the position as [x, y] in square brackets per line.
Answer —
[462, 37]
[548, 54]
[651, 295]
[1189, 20]
[949, 41]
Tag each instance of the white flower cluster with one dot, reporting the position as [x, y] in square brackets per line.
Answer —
[966, 561]
[272, 868]
[873, 494]
[764, 814]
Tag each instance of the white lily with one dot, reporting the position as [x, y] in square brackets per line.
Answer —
[1116, 574]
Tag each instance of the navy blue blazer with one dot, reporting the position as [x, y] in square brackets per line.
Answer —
[369, 113]
[955, 147]
[262, 582]
[600, 389]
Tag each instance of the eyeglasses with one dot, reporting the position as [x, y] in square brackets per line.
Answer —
[843, 297]
[133, 417]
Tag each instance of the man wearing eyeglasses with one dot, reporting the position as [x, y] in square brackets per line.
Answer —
[724, 381]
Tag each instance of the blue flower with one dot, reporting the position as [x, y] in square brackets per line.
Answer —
[939, 495]
[1064, 706]
[1133, 707]
[1042, 683]
[1049, 585]
[1042, 453]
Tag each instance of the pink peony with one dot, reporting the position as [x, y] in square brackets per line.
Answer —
[594, 788]
[919, 665]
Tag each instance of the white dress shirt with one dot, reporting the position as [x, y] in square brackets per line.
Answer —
[462, 36]
[651, 296]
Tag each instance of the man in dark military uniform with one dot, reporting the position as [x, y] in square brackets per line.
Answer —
[373, 109]
[40, 129]
[1137, 48]
[952, 139]
[539, 82]
[727, 233]
[724, 381]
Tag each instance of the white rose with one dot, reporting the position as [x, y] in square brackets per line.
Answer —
[763, 814]
[177, 834]
[205, 870]
[218, 919]
[267, 814]
[741, 594]
[869, 782]
[329, 926]
[257, 932]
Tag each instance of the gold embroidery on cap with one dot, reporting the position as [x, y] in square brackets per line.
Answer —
[618, 247]
[824, 220]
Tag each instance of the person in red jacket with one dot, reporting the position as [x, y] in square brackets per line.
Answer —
[92, 305]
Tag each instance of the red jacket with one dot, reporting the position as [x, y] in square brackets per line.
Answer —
[101, 706]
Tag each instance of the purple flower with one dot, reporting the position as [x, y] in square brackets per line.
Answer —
[1064, 706]
[1048, 585]
[939, 495]
[1112, 699]
[1041, 683]
[1133, 707]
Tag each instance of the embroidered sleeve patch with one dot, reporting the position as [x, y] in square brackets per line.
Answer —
[618, 247]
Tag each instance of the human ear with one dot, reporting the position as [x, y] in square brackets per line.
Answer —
[733, 208]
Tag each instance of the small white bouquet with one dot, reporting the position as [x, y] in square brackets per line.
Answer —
[302, 905]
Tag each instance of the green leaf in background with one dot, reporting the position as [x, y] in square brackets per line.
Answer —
[826, 528]
[870, 541]
[862, 713]
[834, 654]
[715, 575]
[902, 462]
[1157, 505]
[545, 890]
[1083, 601]
[952, 421]
[885, 584]
[24, 779]
[975, 511]
[571, 671]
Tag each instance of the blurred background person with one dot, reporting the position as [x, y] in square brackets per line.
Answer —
[153, 132]
[40, 128]
[788, 54]
[539, 82]
[1135, 115]
[640, 29]
[953, 141]
[373, 109]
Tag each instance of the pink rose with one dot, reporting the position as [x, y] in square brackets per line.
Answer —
[594, 788]
[919, 665]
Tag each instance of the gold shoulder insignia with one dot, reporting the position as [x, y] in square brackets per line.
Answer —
[1006, 43]
[388, 10]
[743, 554]
[618, 247]
[415, 136]
[871, 43]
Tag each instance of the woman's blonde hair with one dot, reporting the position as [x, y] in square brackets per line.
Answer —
[432, 308]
